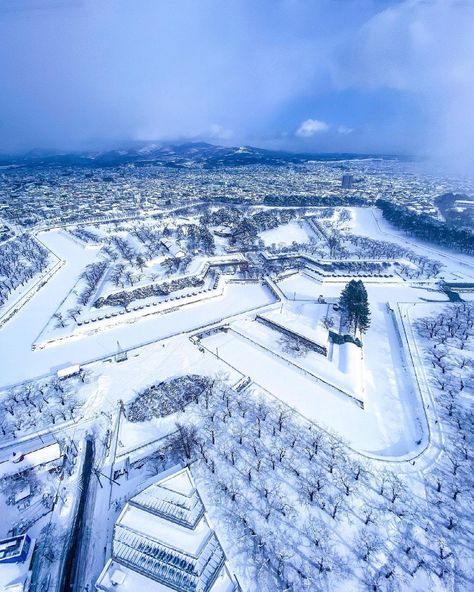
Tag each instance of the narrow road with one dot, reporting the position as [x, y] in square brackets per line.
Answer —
[72, 561]
[96, 538]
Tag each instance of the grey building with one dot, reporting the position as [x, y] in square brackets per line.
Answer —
[346, 182]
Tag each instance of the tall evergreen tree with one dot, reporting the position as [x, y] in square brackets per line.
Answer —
[345, 301]
[361, 309]
[355, 304]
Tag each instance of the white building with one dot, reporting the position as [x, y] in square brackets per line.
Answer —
[69, 371]
[34, 454]
[162, 541]
[173, 249]
[16, 554]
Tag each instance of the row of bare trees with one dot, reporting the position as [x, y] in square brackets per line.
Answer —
[21, 259]
[91, 275]
[36, 405]
[303, 511]
[448, 340]
[364, 247]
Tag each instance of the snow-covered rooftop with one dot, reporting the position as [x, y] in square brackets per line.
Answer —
[303, 319]
[174, 498]
[15, 577]
[162, 541]
[21, 461]
[167, 532]
[118, 578]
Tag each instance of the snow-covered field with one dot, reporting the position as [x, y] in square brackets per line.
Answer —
[370, 222]
[286, 234]
[392, 422]
[378, 399]
[301, 286]
[18, 335]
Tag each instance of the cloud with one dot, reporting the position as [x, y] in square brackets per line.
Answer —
[311, 127]
[344, 130]
[110, 70]
[219, 132]
[398, 73]
[422, 52]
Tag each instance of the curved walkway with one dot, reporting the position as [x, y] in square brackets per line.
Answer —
[20, 363]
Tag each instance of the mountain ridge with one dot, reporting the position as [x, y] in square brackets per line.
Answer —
[179, 155]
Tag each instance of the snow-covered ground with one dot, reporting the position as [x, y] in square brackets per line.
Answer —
[377, 398]
[370, 222]
[19, 334]
[286, 234]
[301, 286]
[392, 423]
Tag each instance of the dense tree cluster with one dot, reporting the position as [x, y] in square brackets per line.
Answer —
[245, 234]
[91, 275]
[124, 297]
[246, 226]
[267, 219]
[313, 200]
[197, 238]
[167, 397]
[221, 217]
[370, 268]
[85, 235]
[426, 227]
[150, 238]
[124, 248]
[21, 259]
[247, 231]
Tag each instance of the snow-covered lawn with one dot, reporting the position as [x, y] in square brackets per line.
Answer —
[303, 318]
[338, 376]
[370, 222]
[392, 422]
[364, 429]
[237, 298]
[301, 287]
[286, 234]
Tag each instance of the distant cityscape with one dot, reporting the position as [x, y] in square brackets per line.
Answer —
[34, 193]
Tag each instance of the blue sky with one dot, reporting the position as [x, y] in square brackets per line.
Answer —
[319, 75]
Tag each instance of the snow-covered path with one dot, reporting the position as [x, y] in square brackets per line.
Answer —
[17, 359]
[20, 362]
[391, 424]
